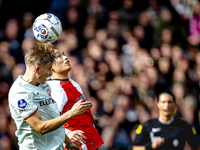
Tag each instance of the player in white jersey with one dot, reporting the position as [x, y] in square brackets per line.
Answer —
[36, 115]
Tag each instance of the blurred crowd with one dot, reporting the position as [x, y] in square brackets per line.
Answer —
[123, 53]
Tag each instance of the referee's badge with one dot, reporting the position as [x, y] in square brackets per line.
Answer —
[22, 103]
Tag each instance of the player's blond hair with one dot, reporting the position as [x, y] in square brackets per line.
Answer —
[40, 54]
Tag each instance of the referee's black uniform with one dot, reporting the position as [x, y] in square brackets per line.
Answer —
[176, 132]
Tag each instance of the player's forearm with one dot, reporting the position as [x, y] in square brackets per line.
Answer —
[53, 124]
[44, 127]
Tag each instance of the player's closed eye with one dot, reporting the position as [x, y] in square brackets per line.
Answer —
[58, 55]
[63, 53]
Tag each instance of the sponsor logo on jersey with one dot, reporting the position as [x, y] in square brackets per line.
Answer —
[139, 129]
[68, 88]
[156, 129]
[92, 144]
[81, 98]
[47, 102]
[22, 103]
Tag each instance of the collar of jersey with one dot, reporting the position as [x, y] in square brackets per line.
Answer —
[166, 122]
[26, 83]
[60, 79]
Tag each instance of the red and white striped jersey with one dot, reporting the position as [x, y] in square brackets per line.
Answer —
[66, 93]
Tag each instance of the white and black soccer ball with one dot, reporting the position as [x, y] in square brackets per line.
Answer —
[47, 28]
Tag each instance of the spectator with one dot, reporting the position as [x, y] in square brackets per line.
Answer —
[194, 27]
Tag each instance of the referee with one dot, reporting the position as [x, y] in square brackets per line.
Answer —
[166, 132]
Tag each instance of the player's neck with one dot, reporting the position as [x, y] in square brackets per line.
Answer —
[30, 76]
[30, 79]
[59, 76]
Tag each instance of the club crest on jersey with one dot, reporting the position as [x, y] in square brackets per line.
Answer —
[48, 92]
[22, 103]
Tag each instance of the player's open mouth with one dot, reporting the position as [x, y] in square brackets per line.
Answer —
[67, 63]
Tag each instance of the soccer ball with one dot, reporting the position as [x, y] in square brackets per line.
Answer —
[47, 28]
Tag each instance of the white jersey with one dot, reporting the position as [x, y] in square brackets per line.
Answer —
[24, 100]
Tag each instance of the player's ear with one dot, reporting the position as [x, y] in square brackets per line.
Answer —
[52, 70]
[37, 68]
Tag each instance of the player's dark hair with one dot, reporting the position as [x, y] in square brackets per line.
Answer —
[167, 92]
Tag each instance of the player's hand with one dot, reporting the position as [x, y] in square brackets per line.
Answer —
[157, 143]
[71, 146]
[77, 136]
[96, 120]
[80, 107]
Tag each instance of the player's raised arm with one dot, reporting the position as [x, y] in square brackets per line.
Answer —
[44, 127]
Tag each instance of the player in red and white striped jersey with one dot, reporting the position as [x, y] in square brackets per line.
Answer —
[67, 92]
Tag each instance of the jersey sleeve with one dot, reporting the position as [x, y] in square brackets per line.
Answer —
[142, 136]
[192, 137]
[23, 105]
[58, 94]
